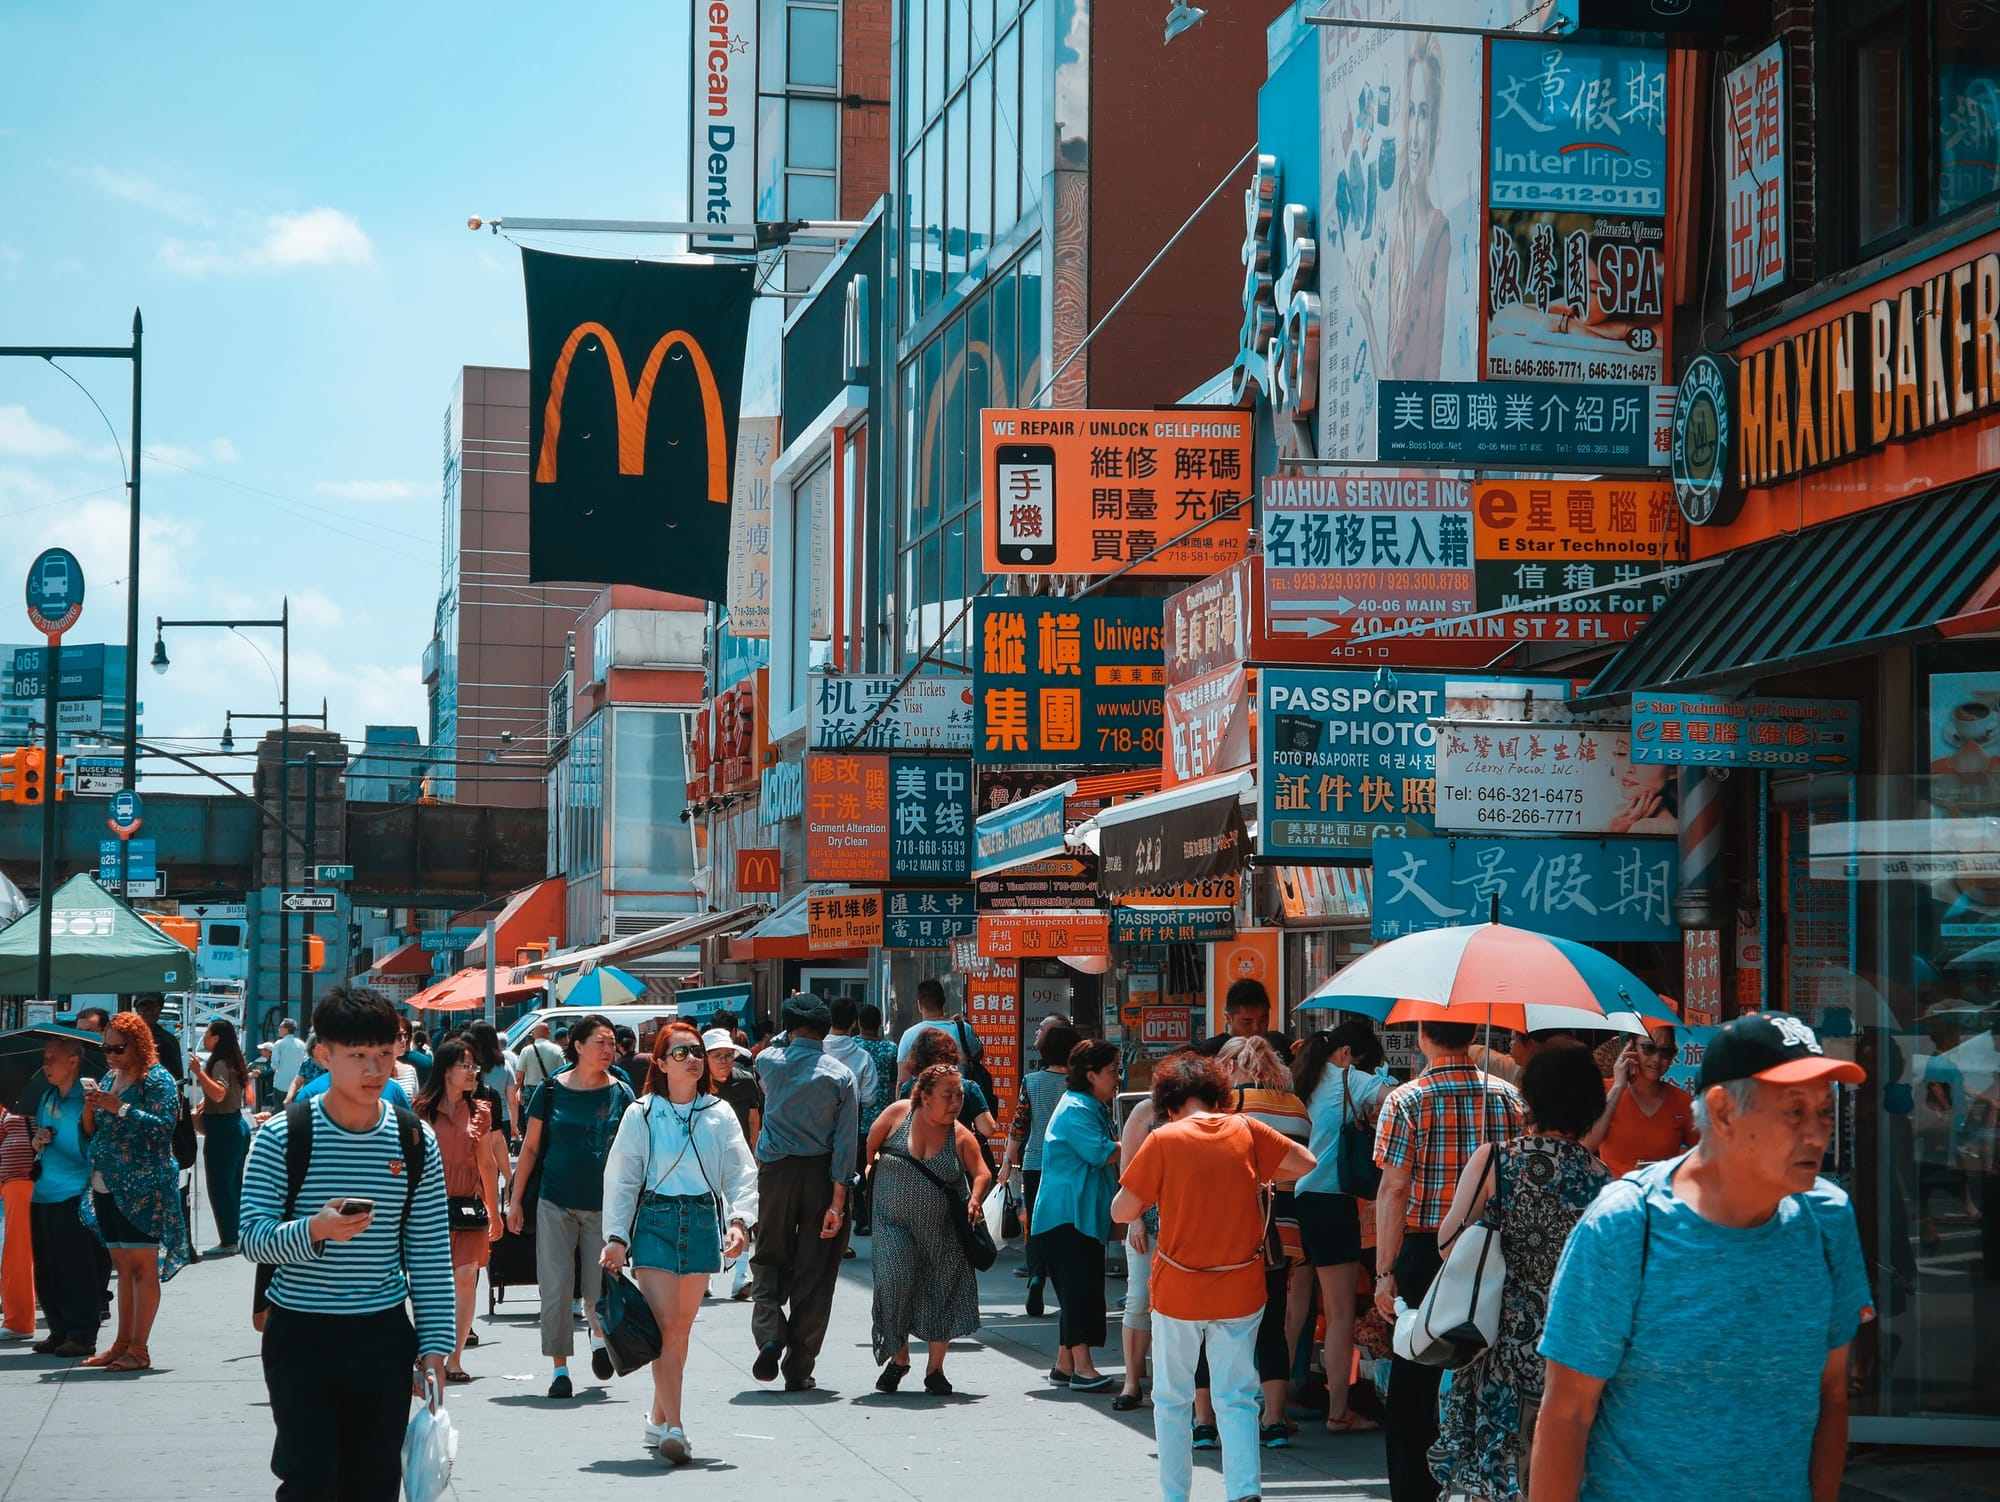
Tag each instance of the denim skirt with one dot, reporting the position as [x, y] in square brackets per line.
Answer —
[677, 1233]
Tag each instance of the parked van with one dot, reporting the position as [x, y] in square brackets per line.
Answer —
[644, 1018]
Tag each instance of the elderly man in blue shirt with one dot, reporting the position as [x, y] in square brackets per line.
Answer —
[805, 1163]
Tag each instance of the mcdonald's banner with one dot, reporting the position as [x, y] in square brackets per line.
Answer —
[635, 370]
[759, 869]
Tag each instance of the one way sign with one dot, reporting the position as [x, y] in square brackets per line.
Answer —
[308, 902]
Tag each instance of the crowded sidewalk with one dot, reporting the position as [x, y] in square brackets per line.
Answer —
[199, 1425]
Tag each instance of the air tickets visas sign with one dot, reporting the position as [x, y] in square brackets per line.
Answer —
[931, 712]
[1068, 682]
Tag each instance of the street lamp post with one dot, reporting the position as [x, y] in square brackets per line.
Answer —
[283, 626]
[52, 353]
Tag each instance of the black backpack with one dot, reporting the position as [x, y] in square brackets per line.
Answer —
[298, 1159]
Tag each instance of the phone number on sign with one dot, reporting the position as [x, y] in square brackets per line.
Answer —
[1124, 739]
[1487, 794]
[1533, 818]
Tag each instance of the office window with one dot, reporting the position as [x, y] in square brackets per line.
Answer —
[1910, 136]
[812, 51]
[798, 118]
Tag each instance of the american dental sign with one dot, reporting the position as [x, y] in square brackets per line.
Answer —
[723, 140]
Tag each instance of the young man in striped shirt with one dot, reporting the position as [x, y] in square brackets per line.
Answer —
[339, 1346]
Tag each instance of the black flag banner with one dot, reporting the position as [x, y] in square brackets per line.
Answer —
[635, 370]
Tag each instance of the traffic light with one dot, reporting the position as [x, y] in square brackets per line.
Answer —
[10, 777]
[62, 777]
[315, 954]
[28, 780]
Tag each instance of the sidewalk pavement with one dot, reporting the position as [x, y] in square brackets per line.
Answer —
[198, 1424]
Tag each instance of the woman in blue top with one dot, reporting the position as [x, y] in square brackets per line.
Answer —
[135, 1200]
[1073, 1209]
[69, 1263]
[1336, 1075]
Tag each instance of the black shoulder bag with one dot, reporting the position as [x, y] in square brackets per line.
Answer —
[973, 1237]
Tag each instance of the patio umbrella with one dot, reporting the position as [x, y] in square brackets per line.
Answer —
[21, 1056]
[605, 986]
[1498, 975]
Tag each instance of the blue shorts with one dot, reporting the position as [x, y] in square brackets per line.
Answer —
[677, 1233]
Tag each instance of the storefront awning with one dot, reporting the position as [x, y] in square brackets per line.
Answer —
[784, 935]
[411, 960]
[1186, 833]
[466, 991]
[1919, 570]
[679, 934]
[530, 916]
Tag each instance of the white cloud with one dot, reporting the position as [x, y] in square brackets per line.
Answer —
[23, 437]
[222, 451]
[282, 242]
[137, 188]
[369, 490]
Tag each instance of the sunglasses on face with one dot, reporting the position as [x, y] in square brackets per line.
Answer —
[1659, 1050]
[114, 1048]
[680, 1053]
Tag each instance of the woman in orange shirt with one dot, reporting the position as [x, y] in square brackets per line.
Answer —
[1645, 1119]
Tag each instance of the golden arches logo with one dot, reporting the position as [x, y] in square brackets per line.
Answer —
[635, 404]
[757, 871]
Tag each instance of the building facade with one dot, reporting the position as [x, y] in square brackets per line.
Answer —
[498, 642]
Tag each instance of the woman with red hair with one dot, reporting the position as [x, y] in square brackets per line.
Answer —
[134, 1204]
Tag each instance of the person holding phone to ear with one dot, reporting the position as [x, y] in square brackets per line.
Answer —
[1645, 1120]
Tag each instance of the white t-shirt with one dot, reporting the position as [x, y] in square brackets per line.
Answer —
[949, 1026]
[287, 1054]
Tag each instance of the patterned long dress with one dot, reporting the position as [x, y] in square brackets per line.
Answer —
[135, 1153]
[924, 1286]
[1542, 1187]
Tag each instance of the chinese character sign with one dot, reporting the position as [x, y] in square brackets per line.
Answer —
[1208, 624]
[927, 918]
[1577, 127]
[847, 817]
[1345, 761]
[844, 920]
[1575, 297]
[932, 712]
[1097, 492]
[1701, 977]
[1755, 221]
[1588, 554]
[1399, 209]
[1208, 726]
[1067, 682]
[1707, 730]
[1593, 891]
[930, 819]
[993, 1009]
[1552, 779]
[750, 527]
[1526, 425]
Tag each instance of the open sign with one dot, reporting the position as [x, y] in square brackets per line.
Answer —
[1165, 1027]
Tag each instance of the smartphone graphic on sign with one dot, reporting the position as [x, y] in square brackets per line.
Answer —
[1024, 503]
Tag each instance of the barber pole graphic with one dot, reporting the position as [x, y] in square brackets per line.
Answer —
[1701, 848]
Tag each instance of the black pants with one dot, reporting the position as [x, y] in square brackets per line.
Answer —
[1410, 1416]
[340, 1395]
[793, 1264]
[1031, 1185]
[1075, 1264]
[70, 1269]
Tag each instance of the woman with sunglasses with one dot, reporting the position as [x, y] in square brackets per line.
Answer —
[474, 1156]
[135, 1200]
[680, 1196]
[1645, 1119]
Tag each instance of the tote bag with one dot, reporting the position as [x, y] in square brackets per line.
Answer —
[1460, 1316]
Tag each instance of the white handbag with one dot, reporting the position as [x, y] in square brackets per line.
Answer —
[1459, 1318]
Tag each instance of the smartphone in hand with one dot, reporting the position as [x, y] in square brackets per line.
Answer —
[356, 1206]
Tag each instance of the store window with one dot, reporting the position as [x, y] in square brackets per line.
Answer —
[652, 849]
[1914, 135]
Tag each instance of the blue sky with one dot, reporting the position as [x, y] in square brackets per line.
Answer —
[284, 191]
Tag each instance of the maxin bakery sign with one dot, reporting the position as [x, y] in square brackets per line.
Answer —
[1915, 359]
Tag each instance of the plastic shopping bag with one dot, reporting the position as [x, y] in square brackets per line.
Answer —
[430, 1445]
[994, 1209]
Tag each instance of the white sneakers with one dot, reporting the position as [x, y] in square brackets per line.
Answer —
[671, 1442]
[6, 1334]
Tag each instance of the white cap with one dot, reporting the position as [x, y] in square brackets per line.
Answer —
[716, 1039]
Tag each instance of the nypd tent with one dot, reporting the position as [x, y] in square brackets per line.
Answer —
[99, 945]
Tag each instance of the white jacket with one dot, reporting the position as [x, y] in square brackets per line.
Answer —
[651, 1134]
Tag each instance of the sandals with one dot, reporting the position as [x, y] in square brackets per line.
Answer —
[135, 1359]
[458, 1376]
[1351, 1422]
[471, 1339]
[104, 1358]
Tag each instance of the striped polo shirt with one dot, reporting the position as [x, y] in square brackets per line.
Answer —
[1280, 1110]
[365, 1275]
